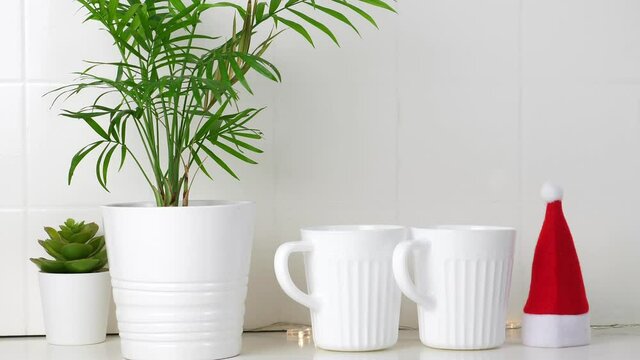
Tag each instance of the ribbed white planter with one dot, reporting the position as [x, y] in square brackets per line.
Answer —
[179, 277]
[75, 307]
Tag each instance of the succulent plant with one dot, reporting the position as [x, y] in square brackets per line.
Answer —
[74, 247]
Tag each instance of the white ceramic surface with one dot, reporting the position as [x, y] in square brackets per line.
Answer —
[462, 281]
[608, 344]
[75, 307]
[179, 277]
[353, 299]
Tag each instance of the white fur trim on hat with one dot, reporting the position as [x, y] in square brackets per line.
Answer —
[551, 192]
[555, 331]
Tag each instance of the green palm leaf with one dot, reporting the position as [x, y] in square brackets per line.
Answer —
[175, 84]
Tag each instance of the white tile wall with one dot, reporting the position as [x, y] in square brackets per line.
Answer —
[11, 61]
[455, 111]
[12, 219]
[12, 146]
[12, 257]
[52, 141]
[458, 158]
[57, 42]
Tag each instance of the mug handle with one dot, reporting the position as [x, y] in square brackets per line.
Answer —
[281, 266]
[401, 272]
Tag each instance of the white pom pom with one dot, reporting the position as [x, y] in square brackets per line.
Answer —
[551, 192]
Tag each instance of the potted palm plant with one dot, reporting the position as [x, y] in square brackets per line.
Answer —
[170, 104]
[74, 285]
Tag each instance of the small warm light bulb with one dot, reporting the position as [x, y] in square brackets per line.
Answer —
[301, 335]
[511, 325]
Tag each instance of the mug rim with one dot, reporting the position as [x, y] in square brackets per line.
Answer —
[466, 228]
[352, 228]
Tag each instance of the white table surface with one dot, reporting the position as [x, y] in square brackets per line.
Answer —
[610, 344]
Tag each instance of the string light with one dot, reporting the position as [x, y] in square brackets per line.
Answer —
[511, 325]
[301, 335]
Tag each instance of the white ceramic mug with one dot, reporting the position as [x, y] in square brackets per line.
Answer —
[462, 280]
[353, 298]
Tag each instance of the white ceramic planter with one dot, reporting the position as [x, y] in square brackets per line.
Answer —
[75, 307]
[179, 277]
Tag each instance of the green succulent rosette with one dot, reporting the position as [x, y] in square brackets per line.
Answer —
[74, 248]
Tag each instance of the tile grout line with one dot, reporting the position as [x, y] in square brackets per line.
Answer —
[276, 173]
[397, 122]
[520, 135]
[25, 171]
[274, 205]
[521, 112]
[41, 82]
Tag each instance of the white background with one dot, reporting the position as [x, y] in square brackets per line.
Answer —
[454, 112]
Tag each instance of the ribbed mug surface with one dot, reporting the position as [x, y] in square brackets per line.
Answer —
[353, 298]
[462, 280]
[474, 305]
[362, 310]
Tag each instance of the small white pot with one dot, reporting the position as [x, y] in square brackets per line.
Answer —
[179, 277]
[75, 307]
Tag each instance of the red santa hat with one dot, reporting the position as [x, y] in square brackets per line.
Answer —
[557, 311]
